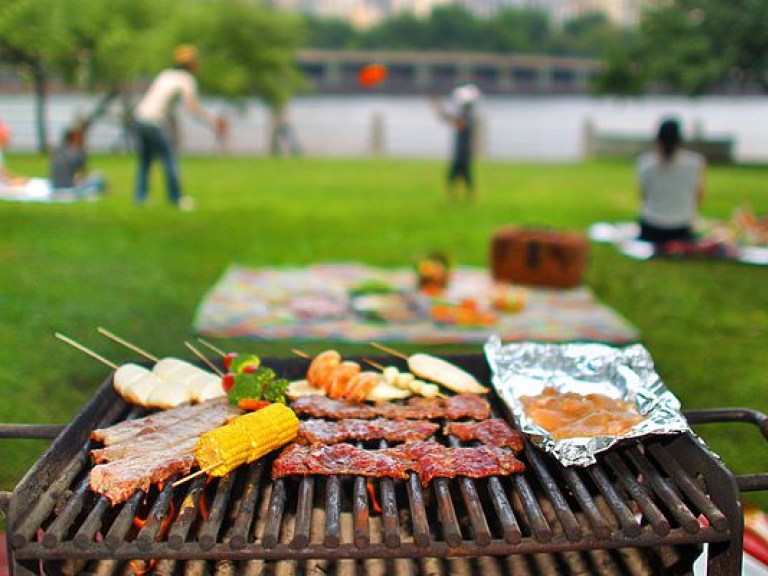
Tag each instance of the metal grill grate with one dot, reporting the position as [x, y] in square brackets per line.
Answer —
[642, 507]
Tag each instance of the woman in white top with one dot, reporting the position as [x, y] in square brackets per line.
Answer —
[671, 181]
[152, 117]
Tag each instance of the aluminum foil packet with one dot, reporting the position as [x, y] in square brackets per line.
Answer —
[526, 368]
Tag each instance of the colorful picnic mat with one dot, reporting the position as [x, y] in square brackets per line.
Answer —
[715, 241]
[314, 302]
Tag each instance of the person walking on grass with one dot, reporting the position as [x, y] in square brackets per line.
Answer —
[671, 182]
[171, 86]
[463, 122]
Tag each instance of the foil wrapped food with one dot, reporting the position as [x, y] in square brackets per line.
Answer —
[628, 374]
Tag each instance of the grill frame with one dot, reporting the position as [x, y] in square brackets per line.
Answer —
[46, 482]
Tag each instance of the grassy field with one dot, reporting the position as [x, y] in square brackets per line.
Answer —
[141, 271]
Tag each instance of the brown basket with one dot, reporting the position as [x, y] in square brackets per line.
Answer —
[539, 257]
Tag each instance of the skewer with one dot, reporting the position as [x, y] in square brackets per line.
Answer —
[212, 347]
[194, 475]
[374, 364]
[381, 368]
[389, 350]
[88, 351]
[204, 359]
[127, 344]
[300, 353]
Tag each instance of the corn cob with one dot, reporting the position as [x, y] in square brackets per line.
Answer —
[246, 438]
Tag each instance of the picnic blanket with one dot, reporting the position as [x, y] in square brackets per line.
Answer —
[39, 190]
[714, 241]
[314, 302]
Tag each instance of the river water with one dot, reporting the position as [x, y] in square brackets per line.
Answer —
[519, 128]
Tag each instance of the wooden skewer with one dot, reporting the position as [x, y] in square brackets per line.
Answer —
[300, 353]
[88, 351]
[389, 350]
[127, 344]
[374, 364]
[194, 475]
[212, 347]
[204, 359]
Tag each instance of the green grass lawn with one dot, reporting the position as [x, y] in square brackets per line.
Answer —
[141, 271]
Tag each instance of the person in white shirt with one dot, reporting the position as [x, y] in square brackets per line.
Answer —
[171, 86]
[671, 181]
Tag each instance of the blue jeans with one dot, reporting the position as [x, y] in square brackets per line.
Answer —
[152, 142]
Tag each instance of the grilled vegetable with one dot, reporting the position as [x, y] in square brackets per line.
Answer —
[299, 388]
[244, 363]
[384, 392]
[261, 385]
[406, 381]
[246, 438]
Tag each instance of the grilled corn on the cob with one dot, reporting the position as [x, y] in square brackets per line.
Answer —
[246, 438]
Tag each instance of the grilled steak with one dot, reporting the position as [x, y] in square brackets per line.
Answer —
[325, 432]
[453, 408]
[433, 460]
[428, 459]
[298, 460]
[492, 432]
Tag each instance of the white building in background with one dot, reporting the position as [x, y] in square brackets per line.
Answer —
[366, 13]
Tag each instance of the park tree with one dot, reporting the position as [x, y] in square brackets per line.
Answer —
[104, 47]
[89, 43]
[31, 38]
[692, 47]
[518, 30]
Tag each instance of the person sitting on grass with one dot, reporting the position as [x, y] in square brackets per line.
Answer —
[68, 163]
[671, 181]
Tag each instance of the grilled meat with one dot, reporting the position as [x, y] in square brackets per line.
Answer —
[492, 432]
[428, 459]
[453, 408]
[325, 432]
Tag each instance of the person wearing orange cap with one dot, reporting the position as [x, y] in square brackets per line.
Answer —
[152, 116]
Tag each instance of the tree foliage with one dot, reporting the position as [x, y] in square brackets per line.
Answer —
[453, 27]
[693, 46]
[247, 49]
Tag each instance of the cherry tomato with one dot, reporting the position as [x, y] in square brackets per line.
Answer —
[228, 359]
[227, 381]
[250, 368]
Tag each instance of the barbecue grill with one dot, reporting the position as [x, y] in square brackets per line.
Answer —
[645, 508]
